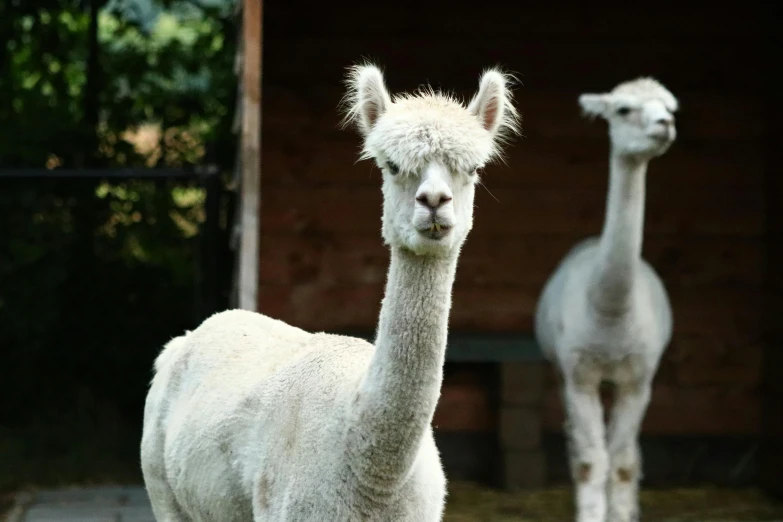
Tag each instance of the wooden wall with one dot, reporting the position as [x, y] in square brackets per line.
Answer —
[323, 265]
[772, 384]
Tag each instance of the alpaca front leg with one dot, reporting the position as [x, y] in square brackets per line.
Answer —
[624, 454]
[588, 455]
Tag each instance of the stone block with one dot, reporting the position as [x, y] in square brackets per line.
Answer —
[522, 382]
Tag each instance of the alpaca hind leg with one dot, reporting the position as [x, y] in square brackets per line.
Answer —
[628, 413]
[164, 505]
[587, 448]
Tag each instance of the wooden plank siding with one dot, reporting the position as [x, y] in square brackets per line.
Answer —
[772, 385]
[322, 264]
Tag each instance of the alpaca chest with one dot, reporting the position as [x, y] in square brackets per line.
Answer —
[618, 350]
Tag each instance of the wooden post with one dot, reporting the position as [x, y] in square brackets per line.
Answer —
[519, 432]
[251, 154]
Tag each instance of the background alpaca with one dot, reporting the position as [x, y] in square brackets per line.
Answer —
[605, 315]
[250, 418]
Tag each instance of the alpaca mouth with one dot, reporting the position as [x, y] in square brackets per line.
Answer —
[661, 137]
[435, 231]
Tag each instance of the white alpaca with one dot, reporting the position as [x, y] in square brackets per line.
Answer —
[249, 418]
[605, 315]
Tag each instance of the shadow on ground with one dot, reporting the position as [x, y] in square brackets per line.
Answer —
[471, 503]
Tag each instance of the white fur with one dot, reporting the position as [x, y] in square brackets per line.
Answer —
[249, 418]
[605, 315]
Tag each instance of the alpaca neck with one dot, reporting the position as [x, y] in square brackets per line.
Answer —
[620, 246]
[397, 397]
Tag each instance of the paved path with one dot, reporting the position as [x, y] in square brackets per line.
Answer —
[102, 504]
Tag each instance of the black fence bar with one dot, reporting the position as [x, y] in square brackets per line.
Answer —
[210, 180]
[124, 173]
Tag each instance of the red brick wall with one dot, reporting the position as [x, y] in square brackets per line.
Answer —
[322, 262]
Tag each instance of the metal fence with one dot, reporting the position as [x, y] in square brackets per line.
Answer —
[212, 238]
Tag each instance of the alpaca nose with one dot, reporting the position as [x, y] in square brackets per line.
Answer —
[433, 200]
[664, 121]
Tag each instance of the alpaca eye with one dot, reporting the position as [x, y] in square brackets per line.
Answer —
[393, 168]
[624, 111]
[474, 171]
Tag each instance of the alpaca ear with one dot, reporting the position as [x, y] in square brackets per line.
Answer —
[593, 104]
[367, 98]
[492, 103]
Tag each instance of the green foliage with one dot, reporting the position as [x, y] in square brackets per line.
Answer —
[94, 275]
[175, 70]
[43, 73]
[178, 75]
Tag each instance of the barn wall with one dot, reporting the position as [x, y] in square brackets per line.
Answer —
[322, 263]
[772, 384]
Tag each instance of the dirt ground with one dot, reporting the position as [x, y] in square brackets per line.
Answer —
[6, 503]
[469, 503]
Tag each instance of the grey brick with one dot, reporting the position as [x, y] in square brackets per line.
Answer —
[522, 383]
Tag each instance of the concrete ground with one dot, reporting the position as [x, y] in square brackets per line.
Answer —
[100, 504]
[467, 503]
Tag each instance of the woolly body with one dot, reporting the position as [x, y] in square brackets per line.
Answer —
[294, 404]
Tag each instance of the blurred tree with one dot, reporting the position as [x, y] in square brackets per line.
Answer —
[94, 274]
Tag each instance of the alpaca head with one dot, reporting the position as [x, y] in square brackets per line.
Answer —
[640, 115]
[429, 147]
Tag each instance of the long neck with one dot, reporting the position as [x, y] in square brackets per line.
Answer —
[620, 246]
[397, 397]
